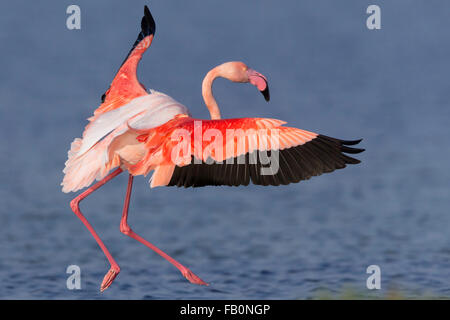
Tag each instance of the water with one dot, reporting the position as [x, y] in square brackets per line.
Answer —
[327, 73]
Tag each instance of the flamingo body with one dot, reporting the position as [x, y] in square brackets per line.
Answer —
[142, 132]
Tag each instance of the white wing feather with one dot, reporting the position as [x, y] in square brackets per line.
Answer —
[88, 157]
[153, 110]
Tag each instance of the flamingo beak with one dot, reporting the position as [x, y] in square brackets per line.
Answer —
[260, 82]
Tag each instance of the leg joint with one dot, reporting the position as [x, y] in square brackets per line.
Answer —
[125, 229]
[75, 203]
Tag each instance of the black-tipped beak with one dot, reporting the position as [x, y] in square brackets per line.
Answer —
[259, 81]
[266, 93]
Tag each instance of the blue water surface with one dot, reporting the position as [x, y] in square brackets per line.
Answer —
[327, 72]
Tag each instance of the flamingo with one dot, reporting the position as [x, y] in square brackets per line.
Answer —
[133, 130]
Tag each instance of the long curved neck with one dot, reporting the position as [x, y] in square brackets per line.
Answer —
[207, 94]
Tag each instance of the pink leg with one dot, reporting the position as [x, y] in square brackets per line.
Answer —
[74, 204]
[125, 229]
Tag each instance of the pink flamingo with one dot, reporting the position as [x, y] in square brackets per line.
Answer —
[133, 131]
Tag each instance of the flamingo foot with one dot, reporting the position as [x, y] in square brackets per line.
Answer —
[193, 278]
[109, 278]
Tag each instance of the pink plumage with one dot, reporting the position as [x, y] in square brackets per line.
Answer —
[136, 131]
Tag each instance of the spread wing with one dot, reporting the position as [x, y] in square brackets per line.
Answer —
[268, 156]
[239, 151]
[125, 85]
[86, 155]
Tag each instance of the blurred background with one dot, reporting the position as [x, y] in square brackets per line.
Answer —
[327, 72]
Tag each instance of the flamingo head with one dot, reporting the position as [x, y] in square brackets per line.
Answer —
[237, 71]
